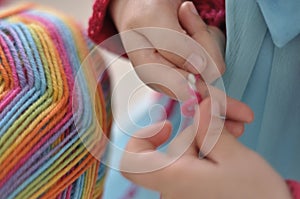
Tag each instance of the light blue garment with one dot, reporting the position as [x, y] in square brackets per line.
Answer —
[263, 70]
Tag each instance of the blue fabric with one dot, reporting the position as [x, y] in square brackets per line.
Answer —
[255, 94]
[271, 83]
[282, 18]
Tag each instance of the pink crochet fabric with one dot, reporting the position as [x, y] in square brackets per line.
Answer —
[295, 188]
[212, 12]
[97, 19]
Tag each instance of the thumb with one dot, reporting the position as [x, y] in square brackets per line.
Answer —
[149, 138]
[210, 38]
[140, 155]
[141, 162]
[190, 19]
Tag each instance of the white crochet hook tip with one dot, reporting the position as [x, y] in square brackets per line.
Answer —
[192, 81]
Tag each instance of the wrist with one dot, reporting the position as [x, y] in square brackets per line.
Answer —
[116, 11]
[219, 36]
[127, 14]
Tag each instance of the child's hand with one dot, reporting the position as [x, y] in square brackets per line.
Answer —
[230, 170]
[183, 29]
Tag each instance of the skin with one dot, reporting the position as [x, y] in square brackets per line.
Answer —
[181, 21]
[224, 172]
[184, 20]
[230, 170]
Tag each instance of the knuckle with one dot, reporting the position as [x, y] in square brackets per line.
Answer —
[222, 69]
[207, 102]
[202, 30]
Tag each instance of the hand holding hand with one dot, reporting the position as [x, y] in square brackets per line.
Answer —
[170, 40]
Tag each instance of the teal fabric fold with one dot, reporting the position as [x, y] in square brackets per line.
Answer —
[266, 76]
[246, 31]
[282, 18]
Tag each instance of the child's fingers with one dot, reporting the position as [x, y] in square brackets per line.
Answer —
[235, 128]
[214, 141]
[212, 42]
[235, 110]
[238, 111]
[226, 147]
[208, 126]
[141, 162]
[149, 138]
[183, 144]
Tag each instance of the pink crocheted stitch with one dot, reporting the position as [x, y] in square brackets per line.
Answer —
[211, 11]
[295, 188]
[97, 19]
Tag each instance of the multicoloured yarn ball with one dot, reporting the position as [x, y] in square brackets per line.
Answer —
[44, 114]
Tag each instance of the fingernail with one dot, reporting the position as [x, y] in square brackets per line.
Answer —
[197, 62]
[193, 9]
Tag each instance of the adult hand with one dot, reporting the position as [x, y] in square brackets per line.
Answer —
[178, 43]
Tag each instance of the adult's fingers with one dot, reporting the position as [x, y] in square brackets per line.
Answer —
[184, 51]
[176, 46]
[161, 75]
[154, 70]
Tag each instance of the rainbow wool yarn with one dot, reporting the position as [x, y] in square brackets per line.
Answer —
[44, 114]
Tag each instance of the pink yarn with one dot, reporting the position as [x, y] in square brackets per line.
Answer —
[68, 114]
[12, 93]
[212, 12]
[295, 188]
